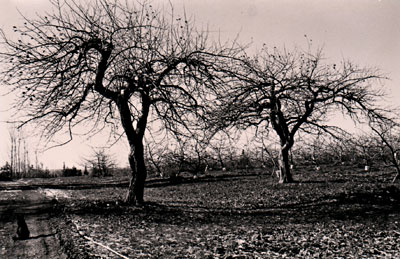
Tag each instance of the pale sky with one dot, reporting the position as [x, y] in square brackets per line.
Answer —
[364, 31]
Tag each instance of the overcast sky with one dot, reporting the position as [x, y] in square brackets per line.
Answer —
[365, 31]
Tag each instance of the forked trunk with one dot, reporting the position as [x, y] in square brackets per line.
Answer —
[135, 139]
[285, 175]
[138, 177]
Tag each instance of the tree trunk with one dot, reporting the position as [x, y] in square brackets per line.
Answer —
[136, 157]
[397, 171]
[221, 161]
[396, 177]
[138, 177]
[285, 175]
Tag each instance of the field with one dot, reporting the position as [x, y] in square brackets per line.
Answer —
[339, 212]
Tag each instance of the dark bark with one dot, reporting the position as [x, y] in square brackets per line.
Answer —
[396, 177]
[285, 174]
[138, 177]
[136, 157]
[279, 124]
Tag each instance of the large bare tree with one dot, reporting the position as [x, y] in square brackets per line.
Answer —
[296, 91]
[103, 64]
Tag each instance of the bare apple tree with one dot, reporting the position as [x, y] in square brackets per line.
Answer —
[102, 65]
[388, 133]
[296, 91]
[100, 162]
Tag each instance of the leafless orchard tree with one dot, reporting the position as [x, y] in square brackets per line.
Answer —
[367, 149]
[194, 152]
[389, 135]
[156, 151]
[222, 148]
[100, 162]
[296, 91]
[102, 64]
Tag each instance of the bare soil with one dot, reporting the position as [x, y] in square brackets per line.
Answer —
[339, 212]
[38, 212]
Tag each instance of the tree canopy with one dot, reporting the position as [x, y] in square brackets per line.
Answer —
[109, 64]
[297, 91]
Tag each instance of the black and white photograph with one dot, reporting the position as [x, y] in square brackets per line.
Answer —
[199, 129]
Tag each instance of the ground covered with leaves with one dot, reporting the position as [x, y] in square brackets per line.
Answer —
[339, 212]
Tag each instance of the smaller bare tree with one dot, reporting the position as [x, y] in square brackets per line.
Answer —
[100, 162]
[367, 150]
[223, 149]
[389, 134]
[156, 151]
[294, 92]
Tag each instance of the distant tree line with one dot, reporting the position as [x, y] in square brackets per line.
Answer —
[223, 154]
[356, 150]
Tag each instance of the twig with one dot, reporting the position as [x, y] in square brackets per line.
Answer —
[395, 178]
[97, 243]
[106, 247]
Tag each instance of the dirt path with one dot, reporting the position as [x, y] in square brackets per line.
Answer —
[38, 211]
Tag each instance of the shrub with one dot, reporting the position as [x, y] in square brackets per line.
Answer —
[39, 173]
[5, 173]
[71, 172]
